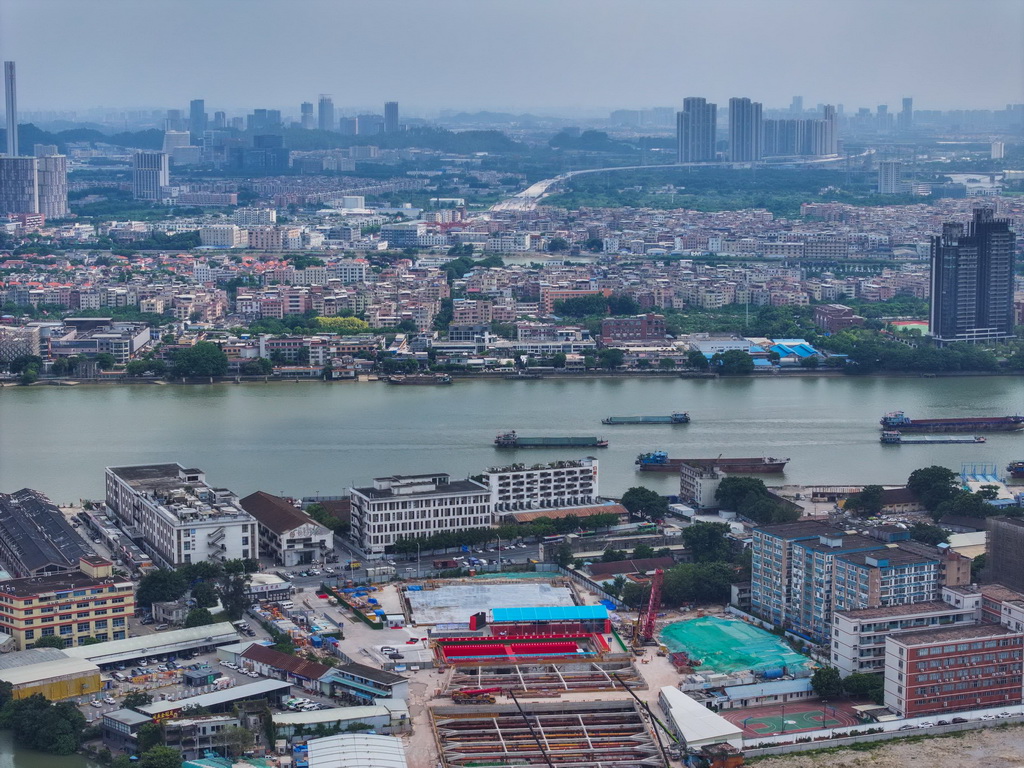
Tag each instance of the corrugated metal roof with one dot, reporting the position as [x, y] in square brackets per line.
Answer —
[770, 688]
[551, 613]
[698, 724]
[238, 693]
[356, 750]
[47, 670]
[156, 643]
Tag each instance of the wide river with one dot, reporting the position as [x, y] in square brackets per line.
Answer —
[316, 438]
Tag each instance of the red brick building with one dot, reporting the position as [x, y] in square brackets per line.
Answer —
[832, 318]
[649, 327]
[941, 671]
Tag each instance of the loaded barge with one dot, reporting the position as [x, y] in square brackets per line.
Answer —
[1016, 470]
[512, 440]
[658, 461]
[674, 418]
[893, 437]
[897, 420]
[421, 379]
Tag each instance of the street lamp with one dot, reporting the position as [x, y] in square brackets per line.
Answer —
[418, 560]
[499, 552]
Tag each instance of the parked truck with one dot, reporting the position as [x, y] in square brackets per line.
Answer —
[443, 564]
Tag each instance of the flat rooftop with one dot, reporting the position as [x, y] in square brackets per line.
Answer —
[69, 581]
[888, 611]
[800, 529]
[970, 632]
[455, 603]
[456, 486]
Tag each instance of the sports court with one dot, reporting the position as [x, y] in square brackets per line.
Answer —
[798, 716]
[730, 645]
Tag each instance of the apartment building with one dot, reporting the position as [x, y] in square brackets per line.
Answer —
[559, 484]
[177, 517]
[74, 605]
[648, 327]
[287, 534]
[416, 506]
[858, 637]
[938, 671]
[889, 576]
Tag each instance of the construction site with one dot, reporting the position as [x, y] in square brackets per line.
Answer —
[605, 733]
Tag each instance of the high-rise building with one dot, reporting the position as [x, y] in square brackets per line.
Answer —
[390, 117]
[150, 173]
[220, 120]
[890, 177]
[797, 105]
[19, 185]
[695, 131]
[307, 121]
[197, 117]
[997, 151]
[972, 280]
[349, 126]
[175, 120]
[744, 130]
[44, 150]
[905, 120]
[325, 113]
[52, 173]
[11, 103]
[1005, 540]
[175, 139]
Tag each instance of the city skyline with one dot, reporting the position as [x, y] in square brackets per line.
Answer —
[852, 53]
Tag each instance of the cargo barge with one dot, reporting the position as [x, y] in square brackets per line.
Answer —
[892, 437]
[673, 418]
[897, 420]
[422, 379]
[1016, 469]
[658, 461]
[512, 440]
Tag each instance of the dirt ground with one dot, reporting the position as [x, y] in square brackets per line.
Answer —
[1002, 747]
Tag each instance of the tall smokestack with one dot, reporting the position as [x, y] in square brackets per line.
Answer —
[12, 109]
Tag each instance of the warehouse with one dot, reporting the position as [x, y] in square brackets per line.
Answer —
[55, 677]
[177, 641]
[351, 750]
[219, 701]
[694, 723]
[385, 716]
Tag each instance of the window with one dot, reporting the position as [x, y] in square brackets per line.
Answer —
[83, 626]
[30, 634]
[65, 629]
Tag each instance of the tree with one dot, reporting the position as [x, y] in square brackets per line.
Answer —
[707, 543]
[643, 502]
[697, 360]
[583, 306]
[865, 686]
[234, 594]
[733, 362]
[635, 595]
[622, 304]
[557, 245]
[867, 503]
[160, 586]
[160, 757]
[38, 724]
[613, 555]
[205, 594]
[105, 361]
[237, 740]
[563, 555]
[201, 359]
[928, 534]
[933, 485]
[826, 683]
[698, 583]
[149, 735]
[261, 366]
[135, 699]
[611, 358]
[667, 363]
[978, 566]
[643, 552]
[199, 617]
[49, 641]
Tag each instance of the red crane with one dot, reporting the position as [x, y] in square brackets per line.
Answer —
[647, 619]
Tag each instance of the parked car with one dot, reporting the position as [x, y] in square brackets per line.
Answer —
[96, 703]
[908, 727]
[959, 720]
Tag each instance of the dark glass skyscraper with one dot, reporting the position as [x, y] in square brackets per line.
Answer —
[390, 117]
[972, 280]
[744, 130]
[695, 131]
[197, 120]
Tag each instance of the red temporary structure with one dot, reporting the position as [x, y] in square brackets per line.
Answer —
[648, 619]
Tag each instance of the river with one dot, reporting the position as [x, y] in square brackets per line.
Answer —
[12, 756]
[317, 438]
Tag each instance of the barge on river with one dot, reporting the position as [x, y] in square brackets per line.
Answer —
[898, 420]
[893, 437]
[672, 418]
[421, 379]
[513, 440]
[658, 461]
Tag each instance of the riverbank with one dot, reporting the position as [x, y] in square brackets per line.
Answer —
[795, 374]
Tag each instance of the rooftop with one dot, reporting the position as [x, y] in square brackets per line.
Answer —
[310, 670]
[369, 673]
[356, 750]
[275, 513]
[162, 642]
[127, 716]
[237, 693]
[336, 714]
[888, 557]
[39, 532]
[888, 611]
[48, 670]
[1000, 592]
[456, 486]
[550, 613]
[530, 515]
[644, 565]
[68, 581]
[801, 529]
[970, 632]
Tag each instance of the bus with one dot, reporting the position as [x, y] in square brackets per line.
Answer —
[647, 528]
[553, 539]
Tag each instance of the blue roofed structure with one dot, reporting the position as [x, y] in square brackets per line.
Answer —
[550, 613]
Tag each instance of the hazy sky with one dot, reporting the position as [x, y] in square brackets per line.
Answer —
[546, 56]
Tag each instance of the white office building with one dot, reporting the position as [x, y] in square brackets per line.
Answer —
[416, 506]
[559, 484]
[178, 517]
[224, 236]
[254, 217]
[151, 173]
